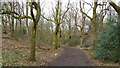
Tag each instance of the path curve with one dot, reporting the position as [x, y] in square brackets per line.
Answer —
[71, 57]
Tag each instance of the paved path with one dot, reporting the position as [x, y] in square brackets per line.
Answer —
[71, 57]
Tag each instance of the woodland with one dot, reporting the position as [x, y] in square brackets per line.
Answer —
[71, 33]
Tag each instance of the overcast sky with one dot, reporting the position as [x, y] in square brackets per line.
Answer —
[48, 4]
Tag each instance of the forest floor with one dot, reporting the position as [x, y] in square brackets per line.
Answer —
[16, 53]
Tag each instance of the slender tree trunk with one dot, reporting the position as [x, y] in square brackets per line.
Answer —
[82, 33]
[81, 41]
[16, 10]
[20, 24]
[9, 23]
[16, 25]
[12, 25]
[94, 18]
[69, 30]
[26, 18]
[4, 27]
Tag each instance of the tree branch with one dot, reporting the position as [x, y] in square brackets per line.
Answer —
[8, 12]
[47, 19]
[84, 12]
[66, 11]
[16, 17]
[88, 4]
[117, 8]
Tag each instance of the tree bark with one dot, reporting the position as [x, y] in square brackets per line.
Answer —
[56, 36]
[33, 40]
[12, 25]
[4, 27]
[70, 30]
[26, 18]
[34, 28]
[94, 18]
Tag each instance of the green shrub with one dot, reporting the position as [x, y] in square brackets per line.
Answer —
[73, 42]
[22, 33]
[109, 41]
[87, 43]
[44, 37]
[64, 41]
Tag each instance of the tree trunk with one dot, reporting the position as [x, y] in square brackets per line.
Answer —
[56, 36]
[69, 29]
[16, 25]
[26, 18]
[33, 40]
[94, 18]
[4, 27]
[81, 41]
[12, 25]
[34, 28]
[19, 11]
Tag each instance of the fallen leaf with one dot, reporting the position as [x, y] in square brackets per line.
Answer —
[56, 54]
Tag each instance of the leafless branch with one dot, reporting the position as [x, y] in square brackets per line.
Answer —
[47, 18]
[66, 10]
[84, 12]
[88, 4]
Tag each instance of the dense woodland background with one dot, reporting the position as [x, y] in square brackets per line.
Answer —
[68, 25]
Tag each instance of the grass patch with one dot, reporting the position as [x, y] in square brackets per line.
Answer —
[13, 57]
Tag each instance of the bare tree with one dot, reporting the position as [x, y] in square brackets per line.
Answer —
[35, 19]
[93, 19]
[12, 26]
[58, 19]
[34, 27]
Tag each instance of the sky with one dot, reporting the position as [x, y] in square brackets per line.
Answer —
[47, 5]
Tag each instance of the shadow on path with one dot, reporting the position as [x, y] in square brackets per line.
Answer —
[71, 57]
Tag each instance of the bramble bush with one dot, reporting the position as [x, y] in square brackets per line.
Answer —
[109, 42]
